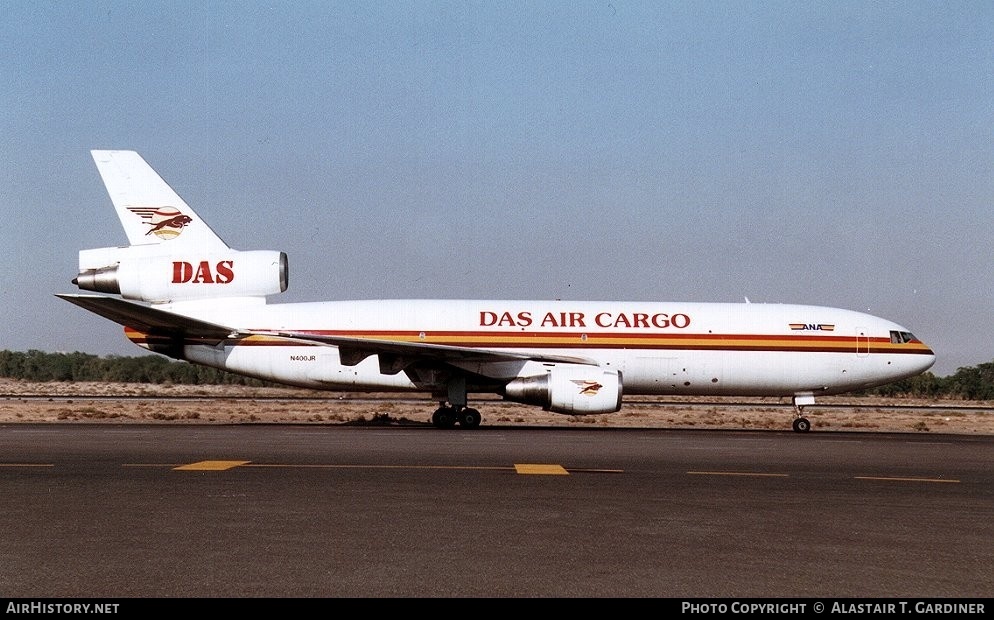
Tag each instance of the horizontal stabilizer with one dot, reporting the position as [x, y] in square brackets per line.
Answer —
[145, 319]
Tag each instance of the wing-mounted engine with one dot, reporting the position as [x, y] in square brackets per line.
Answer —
[569, 388]
[144, 274]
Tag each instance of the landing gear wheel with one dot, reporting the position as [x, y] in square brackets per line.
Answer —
[802, 425]
[469, 418]
[444, 417]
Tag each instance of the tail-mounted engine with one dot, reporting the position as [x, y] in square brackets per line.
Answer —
[570, 389]
[138, 273]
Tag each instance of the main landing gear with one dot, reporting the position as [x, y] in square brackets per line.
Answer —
[802, 424]
[454, 410]
[446, 416]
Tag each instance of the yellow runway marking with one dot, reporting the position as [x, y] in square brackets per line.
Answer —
[210, 465]
[542, 470]
[888, 479]
[736, 473]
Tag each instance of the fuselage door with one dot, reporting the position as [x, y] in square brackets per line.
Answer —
[862, 342]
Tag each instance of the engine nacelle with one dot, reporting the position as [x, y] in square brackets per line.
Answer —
[570, 389]
[134, 274]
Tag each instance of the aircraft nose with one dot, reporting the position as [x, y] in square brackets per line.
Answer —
[926, 359]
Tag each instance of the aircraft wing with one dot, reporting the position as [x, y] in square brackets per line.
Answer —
[351, 350]
[354, 350]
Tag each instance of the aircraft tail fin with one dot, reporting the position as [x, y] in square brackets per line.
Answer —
[150, 211]
[173, 255]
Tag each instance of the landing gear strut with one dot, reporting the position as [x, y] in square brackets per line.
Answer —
[446, 416]
[801, 424]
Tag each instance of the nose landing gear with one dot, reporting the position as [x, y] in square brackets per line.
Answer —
[802, 424]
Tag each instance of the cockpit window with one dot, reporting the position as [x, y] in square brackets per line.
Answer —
[901, 337]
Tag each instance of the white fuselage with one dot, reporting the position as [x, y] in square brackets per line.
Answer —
[658, 348]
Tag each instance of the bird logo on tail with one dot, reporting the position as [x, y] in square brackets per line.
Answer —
[166, 222]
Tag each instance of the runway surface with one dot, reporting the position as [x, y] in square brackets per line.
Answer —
[336, 511]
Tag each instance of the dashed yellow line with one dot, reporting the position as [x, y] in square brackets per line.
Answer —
[539, 469]
[519, 468]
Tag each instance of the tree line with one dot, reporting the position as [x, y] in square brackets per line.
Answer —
[41, 366]
[968, 383]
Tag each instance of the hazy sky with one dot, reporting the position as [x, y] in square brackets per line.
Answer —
[831, 153]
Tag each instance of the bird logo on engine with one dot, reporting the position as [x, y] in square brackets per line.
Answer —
[588, 388]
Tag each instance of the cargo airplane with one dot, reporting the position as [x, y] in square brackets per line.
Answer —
[180, 291]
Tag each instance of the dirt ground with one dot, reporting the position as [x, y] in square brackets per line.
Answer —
[24, 402]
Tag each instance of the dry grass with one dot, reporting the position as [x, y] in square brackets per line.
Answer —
[23, 402]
